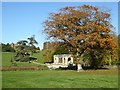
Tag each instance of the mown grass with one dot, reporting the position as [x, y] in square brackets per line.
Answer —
[55, 78]
[7, 56]
[0, 80]
[61, 79]
[39, 57]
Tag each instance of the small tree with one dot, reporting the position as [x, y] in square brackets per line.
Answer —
[32, 43]
[85, 29]
[25, 50]
[21, 50]
[49, 50]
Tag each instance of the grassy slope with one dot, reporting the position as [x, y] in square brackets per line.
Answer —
[39, 57]
[60, 79]
[6, 58]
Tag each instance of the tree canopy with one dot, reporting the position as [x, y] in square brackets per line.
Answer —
[7, 48]
[85, 29]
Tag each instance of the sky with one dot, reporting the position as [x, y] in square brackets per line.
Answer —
[21, 20]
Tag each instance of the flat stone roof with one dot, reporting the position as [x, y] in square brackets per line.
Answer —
[63, 55]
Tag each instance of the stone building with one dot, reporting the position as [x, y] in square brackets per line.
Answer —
[64, 59]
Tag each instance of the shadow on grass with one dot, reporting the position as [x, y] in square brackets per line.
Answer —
[84, 68]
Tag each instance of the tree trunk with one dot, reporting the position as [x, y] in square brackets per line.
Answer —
[79, 68]
[110, 60]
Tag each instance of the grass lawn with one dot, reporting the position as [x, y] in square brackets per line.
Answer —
[56, 78]
[7, 56]
[61, 79]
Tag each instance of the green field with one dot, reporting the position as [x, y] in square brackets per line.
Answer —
[56, 78]
[60, 79]
[7, 56]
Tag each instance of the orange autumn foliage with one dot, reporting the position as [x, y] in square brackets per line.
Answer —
[82, 27]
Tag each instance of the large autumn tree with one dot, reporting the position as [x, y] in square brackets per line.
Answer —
[85, 29]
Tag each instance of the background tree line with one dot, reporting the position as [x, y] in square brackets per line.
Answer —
[14, 47]
[7, 48]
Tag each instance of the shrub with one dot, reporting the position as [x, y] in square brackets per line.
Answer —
[11, 68]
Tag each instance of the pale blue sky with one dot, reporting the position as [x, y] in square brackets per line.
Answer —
[21, 20]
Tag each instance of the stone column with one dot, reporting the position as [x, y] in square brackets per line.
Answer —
[72, 59]
[54, 59]
[62, 60]
[66, 60]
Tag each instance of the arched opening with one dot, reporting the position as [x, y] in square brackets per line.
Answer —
[60, 60]
[69, 59]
